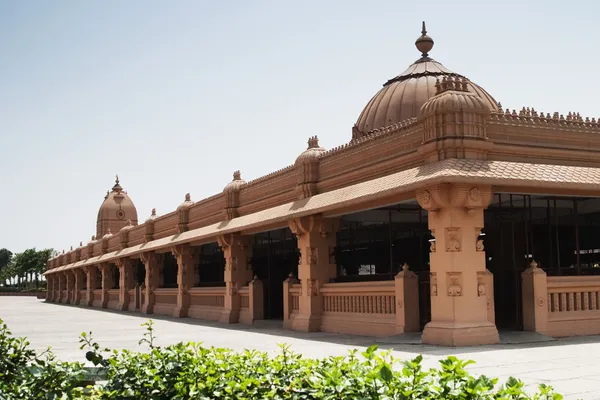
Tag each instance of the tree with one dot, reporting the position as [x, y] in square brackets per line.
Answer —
[27, 266]
[5, 259]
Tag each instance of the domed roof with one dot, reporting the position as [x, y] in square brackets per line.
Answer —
[312, 152]
[403, 96]
[235, 184]
[115, 212]
[452, 94]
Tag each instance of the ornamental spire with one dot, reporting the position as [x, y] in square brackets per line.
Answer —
[424, 43]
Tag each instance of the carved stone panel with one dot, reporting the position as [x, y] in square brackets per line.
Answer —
[312, 255]
[452, 236]
[433, 284]
[454, 283]
[481, 284]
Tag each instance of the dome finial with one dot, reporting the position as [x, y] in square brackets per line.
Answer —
[424, 43]
[117, 175]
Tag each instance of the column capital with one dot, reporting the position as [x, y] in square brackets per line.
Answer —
[122, 262]
[314, 224]
[455, 195]
[234, 239]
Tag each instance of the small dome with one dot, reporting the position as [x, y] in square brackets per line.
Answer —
[115, 211]
[313, 152]
[152, 216]
[108, 235]
[187, 203]
[92, 241]
[236, 183]
[127, 227]
[402, 97]
[453, 94]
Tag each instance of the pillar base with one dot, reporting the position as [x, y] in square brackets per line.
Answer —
[305, 323]
[230, 316]
[148, 308]
[460, 334]
[180, 312]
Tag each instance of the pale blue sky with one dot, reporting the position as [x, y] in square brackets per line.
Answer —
[175, 95]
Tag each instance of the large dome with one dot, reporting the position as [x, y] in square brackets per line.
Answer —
[402, 97]
[116, 211]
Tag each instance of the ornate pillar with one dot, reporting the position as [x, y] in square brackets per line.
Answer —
[237, 250]
[459, 307]
[152, 262]
[107, 282]
[79, 277]
[316, 241]
[186, 259]
[125, 266]
[70, 279]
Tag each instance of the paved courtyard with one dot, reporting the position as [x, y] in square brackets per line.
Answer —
[571, 365]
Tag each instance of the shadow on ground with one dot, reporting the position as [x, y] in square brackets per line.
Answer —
[408, 342]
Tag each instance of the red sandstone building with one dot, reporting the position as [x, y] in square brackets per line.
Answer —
[382, 235]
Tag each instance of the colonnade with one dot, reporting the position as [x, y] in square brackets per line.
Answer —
[461, 288]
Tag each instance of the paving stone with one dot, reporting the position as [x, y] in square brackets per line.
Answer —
[571, 365]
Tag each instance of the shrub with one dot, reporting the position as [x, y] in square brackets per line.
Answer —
[191, 371]
[24, 374]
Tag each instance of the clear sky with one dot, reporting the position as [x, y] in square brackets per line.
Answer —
[176, 95]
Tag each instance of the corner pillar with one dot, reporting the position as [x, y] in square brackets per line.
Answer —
[316, 242]
[49, 288]
[237, 250]
[186, 259]
[535, 295]
[459, 311]
[152, 262]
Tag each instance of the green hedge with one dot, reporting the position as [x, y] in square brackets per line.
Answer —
[191, 371]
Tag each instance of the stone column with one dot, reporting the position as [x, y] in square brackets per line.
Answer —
[186, 260]
[316, 241]
[90, 272]
[459, 313]
[107, 282]
[237, 250]
[70, 280]
[152, 262]
[61, 285]
[79, 277]
[535, 294]
[125, 266]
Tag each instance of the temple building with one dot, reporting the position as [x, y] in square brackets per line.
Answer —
[443, 213]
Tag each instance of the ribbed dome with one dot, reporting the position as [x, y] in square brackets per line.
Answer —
[402, 97]
[115, 212]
